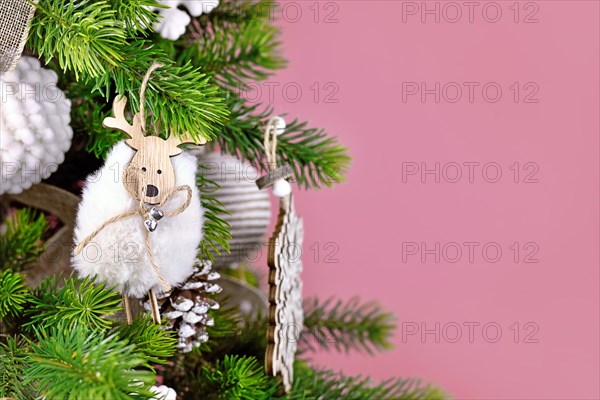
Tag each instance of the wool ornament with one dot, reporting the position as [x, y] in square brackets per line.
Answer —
[140, 219]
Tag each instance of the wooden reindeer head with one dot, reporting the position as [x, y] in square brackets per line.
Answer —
[150, 172]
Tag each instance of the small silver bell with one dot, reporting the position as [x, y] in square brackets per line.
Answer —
[151, 224]
[156, 213]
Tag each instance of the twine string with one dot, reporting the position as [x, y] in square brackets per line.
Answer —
[155, 65]
[270, 143]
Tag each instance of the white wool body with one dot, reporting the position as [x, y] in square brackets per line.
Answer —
[117, 255]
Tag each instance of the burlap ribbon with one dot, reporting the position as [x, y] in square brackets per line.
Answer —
[15, 17]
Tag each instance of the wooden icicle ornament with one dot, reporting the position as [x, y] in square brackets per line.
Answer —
[286, 317]
[145, 179]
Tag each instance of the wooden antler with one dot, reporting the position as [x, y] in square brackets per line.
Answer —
[119, 122]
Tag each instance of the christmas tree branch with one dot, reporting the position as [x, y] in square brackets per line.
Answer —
[247, 49]
[310, 384]
[13, 361]
[14, 294]
[346, 326]
[77, 302]
[86, 40]
[152, 340]
[216, 230]
[316, 159]
[234, 377]
[76, 362]
[21, 243]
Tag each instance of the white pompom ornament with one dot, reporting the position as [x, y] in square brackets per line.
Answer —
[281, 188]
[173, 21]
[34, 125]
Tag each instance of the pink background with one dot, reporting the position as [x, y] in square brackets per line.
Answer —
[368, 53]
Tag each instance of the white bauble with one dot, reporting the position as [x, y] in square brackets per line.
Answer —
[117, 255]
[34, 125]
[250, 207]
[173, 21]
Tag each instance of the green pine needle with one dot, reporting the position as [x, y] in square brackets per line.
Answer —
[346, 326]
[13, 361]
[96, 44]
[150, 339]
[316, 159]
[21, 243]
[75, 362]
[238, 377]
[235, 53]
[216, 230]
[312, 384]
[13, 294]
[77, 302]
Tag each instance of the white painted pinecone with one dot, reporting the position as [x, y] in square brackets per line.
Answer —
[187, 307]
[34, 125]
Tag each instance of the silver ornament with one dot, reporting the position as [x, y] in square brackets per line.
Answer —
[156, 213]
[151, 224]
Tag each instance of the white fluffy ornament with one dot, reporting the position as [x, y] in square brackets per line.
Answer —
[34, 125]
[173, 21]
[117, 254]
[139, 222]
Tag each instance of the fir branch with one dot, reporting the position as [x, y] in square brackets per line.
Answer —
[13, 294]
[21, 243]
[82, 35]
[236, 377]
[76, 362]
[328, 385]
[234, 12]
[150, 339]
[136, 15]
[346, 326]
[13, 361]
[234, 53]
[77, 302]
[90, 40]
[179, 99]
[317, 160]
[216, 230]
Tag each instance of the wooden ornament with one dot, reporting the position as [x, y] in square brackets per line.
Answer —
[286, 317]
[283, 172]
[150, 173]
[149, 179]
